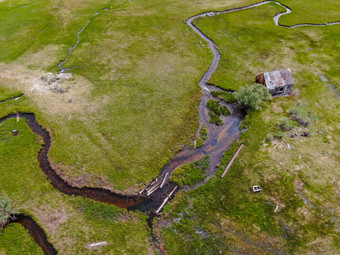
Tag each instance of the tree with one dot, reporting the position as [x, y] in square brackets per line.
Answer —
[7, 210]
[251, 96]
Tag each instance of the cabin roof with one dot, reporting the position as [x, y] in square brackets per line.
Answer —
[278, 78]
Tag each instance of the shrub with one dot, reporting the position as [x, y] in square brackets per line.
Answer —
[7, 210]
[286, 124]
[279, 134]
[60, 88]
[251, 96]
[199, 142]
[204, 132]
[302, 115]
[225, 96]
[225, 111]
[215, 119]
[217, 110]
[269, 138]
[214, 106]
[48, 78]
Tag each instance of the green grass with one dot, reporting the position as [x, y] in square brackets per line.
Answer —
[70, 222]
[192, 173]
[224, 215]
[134, 104]
[6, 93]
[15, 239]
[225, 96]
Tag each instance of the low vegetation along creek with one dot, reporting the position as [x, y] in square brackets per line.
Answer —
[152, 199]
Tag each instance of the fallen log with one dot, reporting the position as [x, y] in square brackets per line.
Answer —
[164, 180]
[165, 200]
[232, 161]
[152, 190]
[140, 192]
[162, 205]
[172, 191]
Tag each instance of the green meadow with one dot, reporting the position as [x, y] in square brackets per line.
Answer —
[297, 212]
[133, 103]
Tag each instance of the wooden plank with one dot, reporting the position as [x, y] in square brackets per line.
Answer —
[232, 161]
[164, 180]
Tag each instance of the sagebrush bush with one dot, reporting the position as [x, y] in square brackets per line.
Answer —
[302, 115]
[286, 124]
[279, 134]
[7, 210]
[269, 138]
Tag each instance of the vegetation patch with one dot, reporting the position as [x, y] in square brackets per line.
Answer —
[192, 173]
[224, 215]
[201, 139]
[302, 115]
[216, 110]
[94, 210]
[225, 96]
[6, 93]
[251, 96]
[7, 210]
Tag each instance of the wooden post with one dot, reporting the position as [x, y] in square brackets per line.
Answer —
[164, 180]
[232, 161]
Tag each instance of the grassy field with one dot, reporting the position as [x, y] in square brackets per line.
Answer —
[71, 223]
[133, 104]
[16, 240]
[134, 99]
[298, 211]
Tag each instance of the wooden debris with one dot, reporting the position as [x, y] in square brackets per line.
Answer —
[153, 189]
[93, 245]
[162, 205]
[232, 161]
[164, 180]
[140, 192]
[166, 200]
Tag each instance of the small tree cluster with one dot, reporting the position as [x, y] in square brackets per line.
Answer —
[251, 96]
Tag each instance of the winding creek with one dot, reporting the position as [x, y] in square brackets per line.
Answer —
[219, 140]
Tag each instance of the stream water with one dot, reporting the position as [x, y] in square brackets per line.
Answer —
[219, 140]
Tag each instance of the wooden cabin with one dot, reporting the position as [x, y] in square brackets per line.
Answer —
[279, 82]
